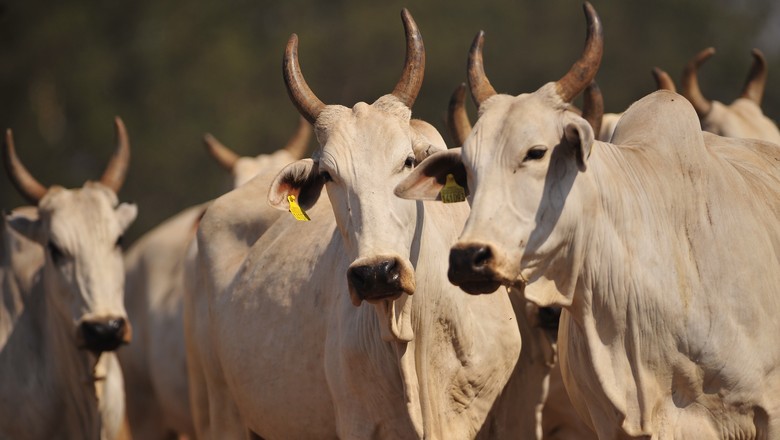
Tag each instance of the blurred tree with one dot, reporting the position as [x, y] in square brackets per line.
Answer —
[174, 70]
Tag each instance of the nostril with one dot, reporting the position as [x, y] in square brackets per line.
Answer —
[481, 256]
[103, 335]
[360, 275]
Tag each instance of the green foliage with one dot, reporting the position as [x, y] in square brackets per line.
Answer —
[174, 70]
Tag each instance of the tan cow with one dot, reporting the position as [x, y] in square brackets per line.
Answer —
[345, 326]
[660, 246]
[62, 313]
[158, 402]
[743, 118]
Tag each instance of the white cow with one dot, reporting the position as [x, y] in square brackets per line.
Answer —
[743, 118]
[559, 419]
[158, 402]
[661, 247]
[62, 313]
[345, 326]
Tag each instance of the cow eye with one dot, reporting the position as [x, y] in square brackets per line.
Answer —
[325, 176]
[56, 254]
[409, 162]
[535, 153]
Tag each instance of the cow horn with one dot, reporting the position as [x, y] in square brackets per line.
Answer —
[24, 182]
[584, 70]
[304, 99]
[663, 81]
[756, 81]
[690, 82]
[593, 107]
[457, 118]
[114, 175]
[414, 66]
[225, 157]
[479, 84]
[299, 142]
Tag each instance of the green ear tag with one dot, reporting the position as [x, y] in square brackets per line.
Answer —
[452, 192]
[296, 210]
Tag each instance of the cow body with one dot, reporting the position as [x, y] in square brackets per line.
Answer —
[62, 313]
[669, 312]
[159, 276]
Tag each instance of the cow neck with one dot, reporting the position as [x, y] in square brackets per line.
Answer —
[72, 369]
[472, 358]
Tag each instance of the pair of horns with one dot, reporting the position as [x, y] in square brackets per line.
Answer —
[113, 177]
[227, 158]
[459, 126]
[752, 90]
[569, 86]
[406, 89]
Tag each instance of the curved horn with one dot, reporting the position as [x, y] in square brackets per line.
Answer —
[593, 107]
[299, 142]
[479, 84]
[457, 118]
[411, 80]
[690, 82]
[584, 70]
[304, 99]
[663, 81]
[225, 157]
[114, 175]
[756, 81]
[24, 182]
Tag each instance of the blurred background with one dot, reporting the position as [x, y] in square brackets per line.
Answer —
[174, 70]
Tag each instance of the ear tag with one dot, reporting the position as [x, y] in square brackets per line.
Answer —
[296, 210]
[452, 192]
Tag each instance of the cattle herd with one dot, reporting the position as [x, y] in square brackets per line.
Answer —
[607, 275]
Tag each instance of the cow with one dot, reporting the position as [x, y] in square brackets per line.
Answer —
[158, 402]
[345, 325]
[558, 417]
[660, 246]
[742, 118]
[62, 313]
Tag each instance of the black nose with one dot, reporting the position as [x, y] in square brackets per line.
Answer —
[471, 268]
[471, 259]
[100, 336]
[375, 281]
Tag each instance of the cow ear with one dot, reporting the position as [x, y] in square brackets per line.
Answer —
[126, 213]
[427, 179]
[26, 226]
[579, 134]
[300, 179]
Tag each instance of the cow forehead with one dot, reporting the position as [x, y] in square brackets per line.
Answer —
[373, 129]
[89, 209]
[508, 123]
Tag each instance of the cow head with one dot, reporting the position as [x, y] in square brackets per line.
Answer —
[81, 230]
[364, 152]
[244, 169]
[520, 160]
[743, 118]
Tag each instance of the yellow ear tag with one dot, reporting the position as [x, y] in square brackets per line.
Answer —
[452, 192]
[296, 210]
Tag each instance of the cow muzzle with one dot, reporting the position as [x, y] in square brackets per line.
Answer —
[380, 278]
[99, 335]
[472, 268]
